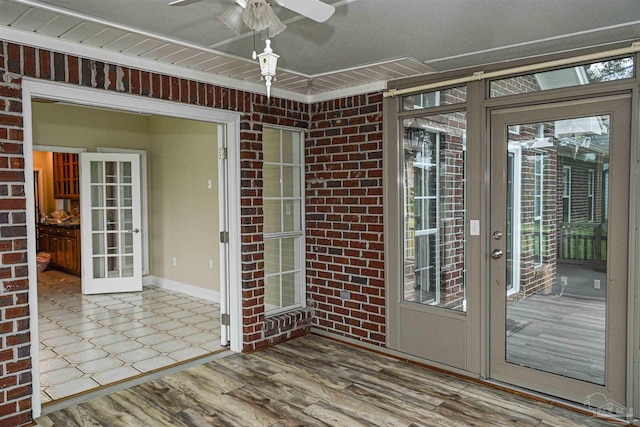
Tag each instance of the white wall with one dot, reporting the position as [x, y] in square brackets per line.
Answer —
[182, 157]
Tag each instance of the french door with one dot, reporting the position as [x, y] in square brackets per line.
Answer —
[559, 249]
[111, 221]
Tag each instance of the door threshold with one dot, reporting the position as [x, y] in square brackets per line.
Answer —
[78, 398]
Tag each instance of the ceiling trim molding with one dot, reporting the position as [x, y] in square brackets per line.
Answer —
[59, 45]
[84, 51]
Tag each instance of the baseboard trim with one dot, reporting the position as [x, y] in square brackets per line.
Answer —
[184, 288]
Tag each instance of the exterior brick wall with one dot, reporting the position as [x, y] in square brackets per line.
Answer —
[15, 362]
[345, 245]
[257, 331]
[17, 61]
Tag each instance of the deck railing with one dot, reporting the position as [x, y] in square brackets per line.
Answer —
[583, 242]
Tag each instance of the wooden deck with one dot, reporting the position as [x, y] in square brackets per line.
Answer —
[313, 381]
[561, 335]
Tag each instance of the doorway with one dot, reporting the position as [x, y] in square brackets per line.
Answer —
[226, 130]
[559, 248]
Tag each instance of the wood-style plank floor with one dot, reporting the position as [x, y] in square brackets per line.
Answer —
[313, 381]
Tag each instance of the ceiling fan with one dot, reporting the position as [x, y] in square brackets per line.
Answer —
[258, 15]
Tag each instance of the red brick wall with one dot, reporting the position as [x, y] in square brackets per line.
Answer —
[15, 362]
[17, 61]
[256, 331]
[345, 247]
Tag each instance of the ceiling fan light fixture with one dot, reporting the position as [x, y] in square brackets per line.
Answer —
[232, 18]
[259, 16]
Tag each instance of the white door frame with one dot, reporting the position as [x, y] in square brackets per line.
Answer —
[230, 121]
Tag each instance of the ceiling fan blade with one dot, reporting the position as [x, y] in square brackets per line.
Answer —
[183, 2]
[313, 9]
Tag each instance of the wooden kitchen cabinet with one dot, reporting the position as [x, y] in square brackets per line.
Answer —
[66, 178]
[63, 243]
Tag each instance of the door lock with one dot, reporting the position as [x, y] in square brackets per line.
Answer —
[497, 235]
[496, 254]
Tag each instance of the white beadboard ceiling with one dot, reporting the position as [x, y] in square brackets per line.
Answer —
[363, 45]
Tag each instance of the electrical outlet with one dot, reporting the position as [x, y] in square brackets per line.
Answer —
[174, 261]
[345, 295]
[596, 284]
[563, 280]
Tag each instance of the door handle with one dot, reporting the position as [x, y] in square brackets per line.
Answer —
[496, 254]
[135, 230]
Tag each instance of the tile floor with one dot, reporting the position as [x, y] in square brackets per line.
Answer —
[89, 341]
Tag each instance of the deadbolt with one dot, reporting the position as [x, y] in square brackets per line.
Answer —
[496, 254]
[497, 235]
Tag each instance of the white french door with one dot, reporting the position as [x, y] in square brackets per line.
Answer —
[110, 208]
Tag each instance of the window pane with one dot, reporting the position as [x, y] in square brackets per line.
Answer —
[615, 69]
[292, 220]
[283, 273]
[271, 145]
[271, 175]
[272, 293]
[290, 253]
[272, 256]
[289, 296]
[434, 98]
[291, 181]
[434, 173]
[272, 216]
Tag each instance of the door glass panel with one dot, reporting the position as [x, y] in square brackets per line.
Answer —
[557, 246]
[434, 210]
[98, 244]
[112, 219]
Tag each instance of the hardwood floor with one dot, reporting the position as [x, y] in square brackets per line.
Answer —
[313, 381]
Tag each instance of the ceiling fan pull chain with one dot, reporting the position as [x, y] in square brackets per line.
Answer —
[254, 55]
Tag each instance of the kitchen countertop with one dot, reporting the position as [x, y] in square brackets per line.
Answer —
[62, 224]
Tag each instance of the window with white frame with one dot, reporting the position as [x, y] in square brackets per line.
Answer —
[566, 194]
[591, 195]
[283, 198]
[538, 207]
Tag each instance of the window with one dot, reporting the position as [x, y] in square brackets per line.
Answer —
[434, 174]
[513, 234]
[605, 193]
[538, 200]
[566, 194]
[419, 101]
[283, 193]
[614, 69]
[590, 194]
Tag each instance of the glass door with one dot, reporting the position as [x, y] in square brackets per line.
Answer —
[110, 227]
[559, 242]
